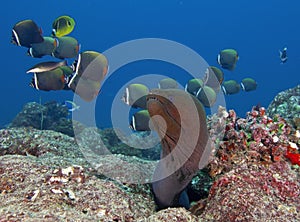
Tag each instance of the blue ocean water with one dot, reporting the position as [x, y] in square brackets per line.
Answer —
[256, 29]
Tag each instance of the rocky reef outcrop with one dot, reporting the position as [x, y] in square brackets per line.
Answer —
[287, 105]
[252, 175]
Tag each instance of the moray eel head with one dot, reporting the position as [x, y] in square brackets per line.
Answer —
[165, 117]
[180, 121]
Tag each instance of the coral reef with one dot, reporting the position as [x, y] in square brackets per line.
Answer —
[254, 178]
[132, 145]
[172, 215]
[45, 175]
[199, 187]
[48, 116]
[255, 193]
[34, 192]
[57, 148]
[256, 139]
[287, 105]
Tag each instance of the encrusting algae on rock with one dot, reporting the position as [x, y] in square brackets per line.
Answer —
[31, 191]
[254, 178]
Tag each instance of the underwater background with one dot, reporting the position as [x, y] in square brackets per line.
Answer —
[256, 29]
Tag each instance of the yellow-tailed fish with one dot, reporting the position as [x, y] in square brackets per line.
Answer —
[62, 26]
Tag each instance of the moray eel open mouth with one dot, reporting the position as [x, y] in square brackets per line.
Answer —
[180, 121]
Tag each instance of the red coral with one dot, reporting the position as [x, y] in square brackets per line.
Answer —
[292, 156]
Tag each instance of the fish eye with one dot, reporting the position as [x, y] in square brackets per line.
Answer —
[69, 23]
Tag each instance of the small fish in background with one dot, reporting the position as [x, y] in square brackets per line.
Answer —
[193, 86]
[283, 55]
[230, 87]
[213, 78]
[207, 96]
[135, 95]
[248, 84]
[228, 58]
[62, 26]
[25, 33]
[168, 83]
[71, 105]
[140, 121]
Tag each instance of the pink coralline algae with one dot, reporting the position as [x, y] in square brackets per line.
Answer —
[255, 193]
[255, 178]
[255, 139]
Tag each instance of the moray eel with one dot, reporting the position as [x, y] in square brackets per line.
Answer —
[180, 121]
